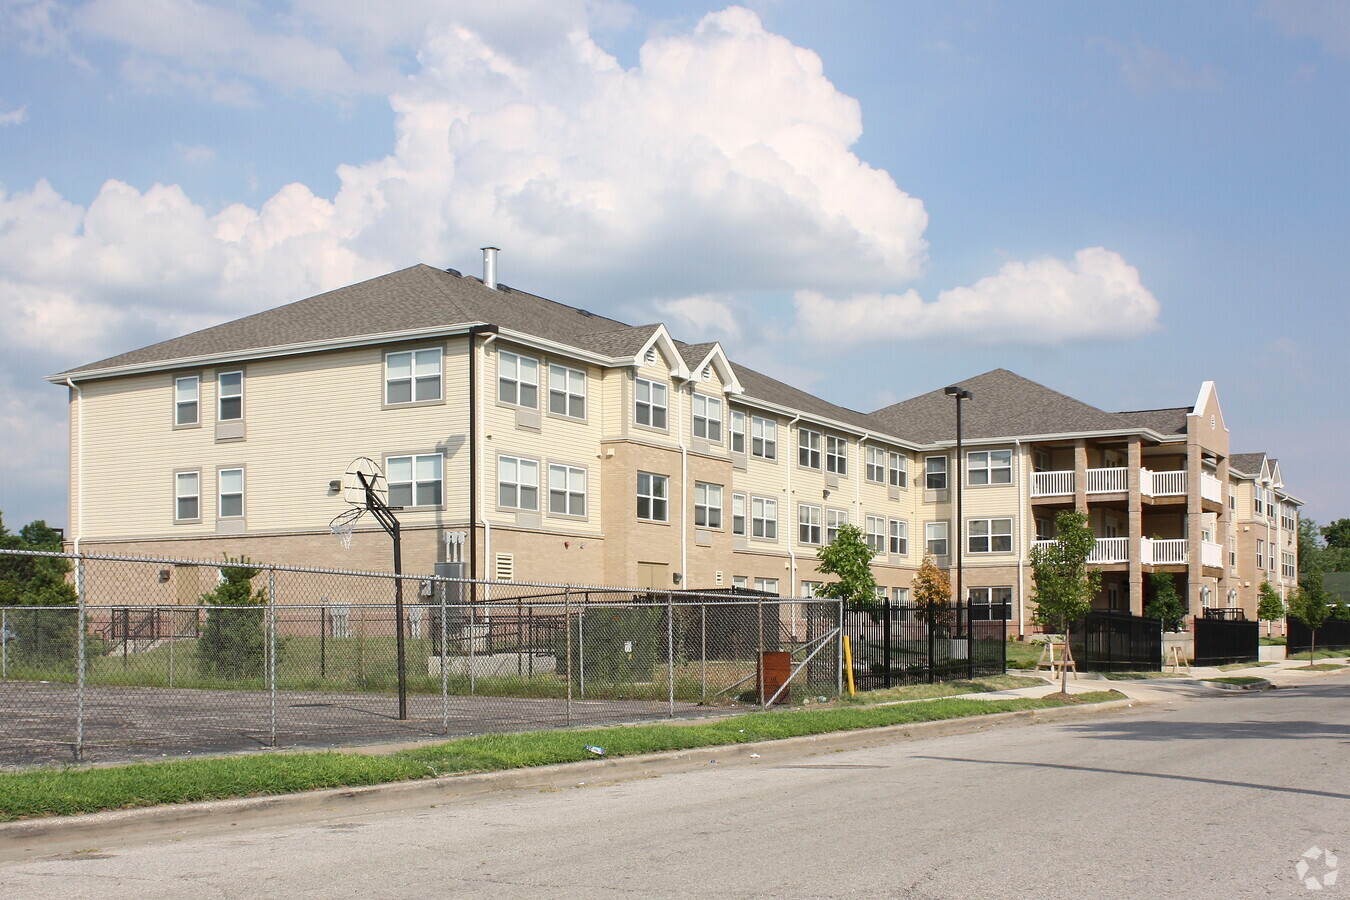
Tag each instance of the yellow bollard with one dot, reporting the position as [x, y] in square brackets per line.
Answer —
[848, 666]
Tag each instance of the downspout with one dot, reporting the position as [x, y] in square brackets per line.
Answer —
[684, 491]
[857, 488]
[1021, 533]
[79, 466]
[792, 554]
[474, 517]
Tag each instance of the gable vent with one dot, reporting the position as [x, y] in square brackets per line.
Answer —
[652, 357]
[505, 568]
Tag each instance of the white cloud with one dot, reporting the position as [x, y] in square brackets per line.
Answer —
[14, 116]
[1147, 69]
[1047, 301]
[1327, 21]
[195, 154]
[701, 317]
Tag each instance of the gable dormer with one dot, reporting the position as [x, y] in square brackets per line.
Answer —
[716, 366]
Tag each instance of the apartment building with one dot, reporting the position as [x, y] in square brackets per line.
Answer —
[571, 447]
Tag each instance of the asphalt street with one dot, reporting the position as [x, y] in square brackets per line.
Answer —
[1193, 796]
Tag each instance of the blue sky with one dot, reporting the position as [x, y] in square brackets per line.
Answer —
[868, 199]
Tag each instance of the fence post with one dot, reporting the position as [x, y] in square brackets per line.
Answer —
[670, 653]
[886, 640]
[323, 639]
[473, 638]
[4, 643]
[932, 641]
[581, 650]
[444, 589]
[81, 659]
[567, 629]
[970, 643]
[839, 651]
[173, 632]
[703, 649]
[272, 652]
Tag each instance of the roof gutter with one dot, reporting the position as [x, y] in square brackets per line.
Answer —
[78, 522]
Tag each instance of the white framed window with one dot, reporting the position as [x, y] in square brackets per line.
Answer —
[517, 483]
[187, 393]
[517, 379]
[707, 505]
[935, 473]
[1287, 521]
[230, 491]
[808, 524]
[1232, 498]
[899, 537]
[187, 496]
[811, 588]
[737, 429]
[653, 497]
[740, 581]
[738, 514]
[836, 454]
[1260, 554]
[764, 518]
[875, 468]
[898, 465]
[989, 536]
[415, 480]
[412, 376]
[1258, 506]
[763, 437]
[767, 585]
[1232, 551]
[900, 596]
[834, 520]
[229, 396]
[650, 404]
[708, 418]
[990, 603]
[566, 391]
[935, 538]
[808, 448]
[1287, 567]
[875, 531]
[989, 467]
[566, 490]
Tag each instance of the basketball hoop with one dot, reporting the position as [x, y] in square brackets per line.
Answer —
[344, 523]
[361, 476]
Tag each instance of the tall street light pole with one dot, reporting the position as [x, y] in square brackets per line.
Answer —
[960, 394]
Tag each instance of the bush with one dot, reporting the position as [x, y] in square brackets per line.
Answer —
[232, 643]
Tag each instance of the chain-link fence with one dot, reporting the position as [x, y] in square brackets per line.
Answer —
[178, 657]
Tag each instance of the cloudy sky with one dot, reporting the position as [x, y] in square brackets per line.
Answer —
[867, 199]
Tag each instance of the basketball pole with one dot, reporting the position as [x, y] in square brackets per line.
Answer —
[384, 514]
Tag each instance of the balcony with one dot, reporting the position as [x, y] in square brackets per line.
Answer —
[1052, 484]
[1162, 484]
[1211, 554]
[1108, 481]
[1108, 550]
[1211, 489]
[1163, 553]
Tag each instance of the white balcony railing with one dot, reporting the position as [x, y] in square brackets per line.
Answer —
[1108, 481]
[1052, 484]
[1162, 553]
[1162, 484]
[1211, 554]
[1211, 489]
[1108, 550]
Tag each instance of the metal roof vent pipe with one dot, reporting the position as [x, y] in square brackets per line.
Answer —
[490, 267]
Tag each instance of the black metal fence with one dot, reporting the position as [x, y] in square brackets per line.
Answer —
[895, 644]
[1116, 642]
[1333, 635]
[1223, 640]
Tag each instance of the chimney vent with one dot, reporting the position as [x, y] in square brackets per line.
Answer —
[490, 267]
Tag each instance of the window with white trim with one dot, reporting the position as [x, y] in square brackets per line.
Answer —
[517, 379]
[187, 496]
[874, 468]
[836, 454]
[415, 480]
[229, 396]
[808, 448]
[834, 520]
[737, 429]
[875, 533]
[230, 491]
[738, 514]
[989, 467]
[899, 537]
[764, 518]
[650, 403]
[1257, 496]
[900, 608]
[1232, 498]
[1287, 568]
[1287, 520]
[707, 418]
[412, 376]
[517, 483]
[707, 505]
[935, 538]
[767, 585]
[808, 524]
[810, 588]
[935, 473]
[566, 490]
[187, 392]
[566, 391]
[653, 497]
[740, 581]
[1232, 551]
[989, 536]
[990, 603]
[763, 437]
[898, 465]
[1260, 554]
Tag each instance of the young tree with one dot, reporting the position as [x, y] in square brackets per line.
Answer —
[1270, 609]
[49, 636]
[1166, 603]
[232, 642]
[849, 558]
[1064, 583]
[1309, 605]
[1337, 534]
[932, 593]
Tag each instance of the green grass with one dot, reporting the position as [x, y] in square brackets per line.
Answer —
[1319, 667]
[1023, 655]
[1238, 679]
[1243, 665]
[1273, 641]
[948, 689]
[1320, 654]
[1140, 676]
[70, 791]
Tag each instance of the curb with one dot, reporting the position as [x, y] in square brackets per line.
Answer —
[18, 839]
[1261, 685]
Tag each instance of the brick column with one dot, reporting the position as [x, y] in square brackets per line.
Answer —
[1080, 474]
[1135, 527]
[1194, 520]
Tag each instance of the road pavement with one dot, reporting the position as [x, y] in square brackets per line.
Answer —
[1198, 794]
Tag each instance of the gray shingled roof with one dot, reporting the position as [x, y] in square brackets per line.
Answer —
[1005, 405]
[759, 386]
[1163, 421]
[1246, 463]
